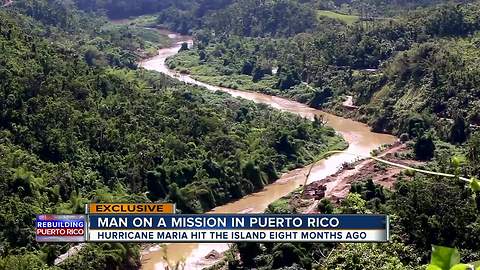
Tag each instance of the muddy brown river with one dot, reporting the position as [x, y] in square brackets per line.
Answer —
[361, 141]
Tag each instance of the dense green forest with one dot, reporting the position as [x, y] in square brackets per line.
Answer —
[424, 211]
[80, 122]
[196, 9]
[412, 70]
[426, 58]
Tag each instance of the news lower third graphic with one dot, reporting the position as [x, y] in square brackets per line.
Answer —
[159, 223]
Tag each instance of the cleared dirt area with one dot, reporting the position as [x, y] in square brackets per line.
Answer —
[337, 186]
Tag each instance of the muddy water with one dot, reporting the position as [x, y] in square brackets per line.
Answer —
[361, 141]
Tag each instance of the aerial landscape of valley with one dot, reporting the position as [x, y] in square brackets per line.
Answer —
[243, 107]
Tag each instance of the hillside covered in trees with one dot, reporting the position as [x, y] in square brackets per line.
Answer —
[411, 69]
[81, 123]
[426, 58]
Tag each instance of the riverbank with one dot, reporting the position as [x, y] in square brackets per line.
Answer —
[145, 29]
[337, 186]
[361, 141]
[209, 71]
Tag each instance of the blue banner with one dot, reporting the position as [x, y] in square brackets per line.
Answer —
[235, 221]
